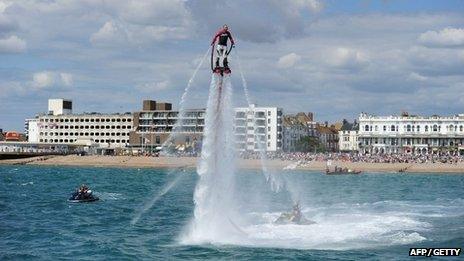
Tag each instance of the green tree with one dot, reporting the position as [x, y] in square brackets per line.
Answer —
[309, 144]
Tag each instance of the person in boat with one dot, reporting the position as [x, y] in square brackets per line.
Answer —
[223, 36]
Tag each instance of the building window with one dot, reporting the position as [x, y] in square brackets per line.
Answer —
[435, 128]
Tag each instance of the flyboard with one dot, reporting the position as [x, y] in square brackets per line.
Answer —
[220, 68]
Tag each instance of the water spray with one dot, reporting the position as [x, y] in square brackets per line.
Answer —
[148, 205]
[275, 181]
[178, 124]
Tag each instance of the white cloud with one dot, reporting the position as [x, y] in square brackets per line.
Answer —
[46, 79]
[12, 44]
[66, 79]
[171, 13]
[312, 5]
[3, 6]
[348, 58]
[447, 37]
[110, 33]
[417, 77]
[43, 79]
[288, 60]
[154, 86]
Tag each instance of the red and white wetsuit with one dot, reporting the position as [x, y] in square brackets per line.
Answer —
[223, 36]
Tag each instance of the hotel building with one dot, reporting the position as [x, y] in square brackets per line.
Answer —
[258, 128]
[411, 134]
[60, 126]
[155, 123]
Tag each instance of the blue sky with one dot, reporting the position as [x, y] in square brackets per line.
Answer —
[334, 58]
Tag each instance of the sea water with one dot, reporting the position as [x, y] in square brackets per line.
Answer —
[370, 216]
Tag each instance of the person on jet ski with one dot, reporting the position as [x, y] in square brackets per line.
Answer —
[223, 35]
[296, 213]
[82, 193]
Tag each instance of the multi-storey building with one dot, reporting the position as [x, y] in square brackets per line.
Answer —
[328, 136]
[348, 137]
[154, 126]
[308, 120]
[104, 130]
[31, 130]
[258, 128]
[293, 131]
[411, 134]
[63, 127]
[59, 106]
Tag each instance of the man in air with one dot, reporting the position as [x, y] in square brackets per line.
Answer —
[223, 35]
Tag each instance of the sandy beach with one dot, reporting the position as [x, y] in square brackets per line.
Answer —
[189, 162]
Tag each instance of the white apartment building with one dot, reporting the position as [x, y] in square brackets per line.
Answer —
[31, 130]
[348, 140]
[348, 137]
[60, 126]
[258, 128]
[411, 134]
[104, 130]
[59, 106]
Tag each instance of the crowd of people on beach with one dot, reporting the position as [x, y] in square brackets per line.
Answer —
[356, 157]
[306, 157]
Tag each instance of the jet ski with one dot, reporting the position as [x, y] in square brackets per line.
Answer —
[294, 217]
[82, 195]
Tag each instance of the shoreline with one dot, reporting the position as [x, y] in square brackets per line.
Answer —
[190, 162]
